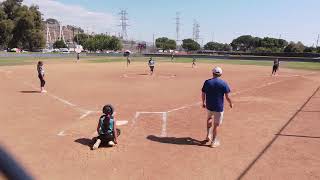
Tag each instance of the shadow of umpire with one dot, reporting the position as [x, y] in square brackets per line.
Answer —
[177, 140]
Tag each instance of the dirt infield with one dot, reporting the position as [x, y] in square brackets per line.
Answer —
[271, 133]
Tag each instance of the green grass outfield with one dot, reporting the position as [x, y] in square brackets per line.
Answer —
[14, 61]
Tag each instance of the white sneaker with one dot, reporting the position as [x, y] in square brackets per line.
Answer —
[214, 144]
[208, 139]
[43, 91]
[111, 143]
[96, 145]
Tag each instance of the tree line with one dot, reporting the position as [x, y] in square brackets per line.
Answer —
[245, 43]
[20, 26]
[98, 42]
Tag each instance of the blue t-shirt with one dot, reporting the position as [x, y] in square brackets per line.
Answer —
[215, 89]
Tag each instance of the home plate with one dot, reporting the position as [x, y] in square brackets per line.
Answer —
[121, 123]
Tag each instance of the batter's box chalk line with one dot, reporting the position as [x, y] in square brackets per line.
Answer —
[163, 132]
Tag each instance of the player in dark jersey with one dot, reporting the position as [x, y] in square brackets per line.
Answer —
[78, 57]
[194, 62]
[172, 56]
[275, 67]
[128, 60]
[41, 76]
[151, 65]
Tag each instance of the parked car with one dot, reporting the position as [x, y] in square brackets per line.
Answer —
[64, 50]
[17, 50]
[47, 50]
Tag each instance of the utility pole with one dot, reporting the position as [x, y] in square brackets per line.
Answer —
[88, 32]
[153, 43]
[178, 28]
[123, 24]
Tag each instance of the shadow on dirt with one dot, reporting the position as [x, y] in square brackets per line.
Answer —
[89, 142]
[178, 141]
[85, 141]
[26, 92]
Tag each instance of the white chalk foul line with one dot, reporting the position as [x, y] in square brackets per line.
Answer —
[61, 100]
[147, 112]
[184, 107]
[84, 112]
[164, 125]
[61, 133]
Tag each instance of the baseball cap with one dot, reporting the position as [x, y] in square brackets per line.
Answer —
[217, 71]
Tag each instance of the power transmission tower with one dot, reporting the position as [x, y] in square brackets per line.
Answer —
[196, 31]
[318, 40]
[178, 27]
[124, 24]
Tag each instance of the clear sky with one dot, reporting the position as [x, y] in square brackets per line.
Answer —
[220, 20]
